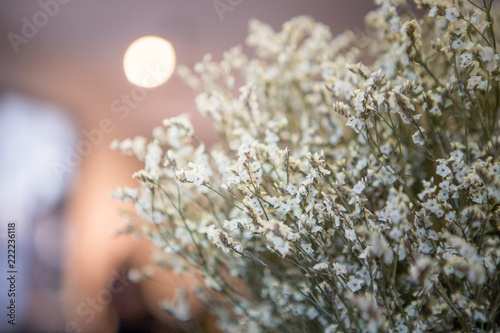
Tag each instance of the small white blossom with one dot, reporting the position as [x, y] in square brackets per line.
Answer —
[244, 149]
[359, 187]
[465, 59]
[457, 43]
[432, 205]
[443, 170]
[312, 313]
[354, 284]
[350, 234]
[417, 138]
[320, 266]
[339, 269]
[386, 148]
[452, 14]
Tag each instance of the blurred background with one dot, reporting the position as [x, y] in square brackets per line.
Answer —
[62, 83]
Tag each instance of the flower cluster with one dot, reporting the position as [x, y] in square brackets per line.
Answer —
[356, 185]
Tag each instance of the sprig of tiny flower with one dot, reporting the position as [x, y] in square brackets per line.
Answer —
[356, 185]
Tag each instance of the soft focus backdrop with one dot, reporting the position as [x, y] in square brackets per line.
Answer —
[61, 74]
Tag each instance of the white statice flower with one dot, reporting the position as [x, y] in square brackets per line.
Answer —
[489, 57]
[222, 240]
[244, 149]
[466, 59]
[452, 14]
[317, 165]
[425, 247]
[402, 328]
[181, 175]
[136, 146]
[450, 216]
[350, 234]
[386, 148]
[340, 178]
[171, 158]
[396, 233]
[443, 170]
[457, 155]
[354, 284]
[182, 123]
[280, 236]
[197, 175]
[411, 30]
[339, 269]
[434, 11]
[321, 266]
[436, 111]
[432, 205]
[232, 177]
[495, 169]
[312, 313]
[153, 158]
[210, 105]
[380, 248]
[457, 44]
[475, 82]
[307, 247]
[355, 123]
[359, 187]
[417, 137]
[487, 54]
[145, 176]
[421, 271]
[440, 212]
[331, 329]
[361, 164]
[232, 224]
[445, 185]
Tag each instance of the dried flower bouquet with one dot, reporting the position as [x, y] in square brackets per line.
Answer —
[356, 186]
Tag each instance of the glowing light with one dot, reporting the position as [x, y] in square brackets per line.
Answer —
[149, 61]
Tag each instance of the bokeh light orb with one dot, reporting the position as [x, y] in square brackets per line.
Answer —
[149, 61]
